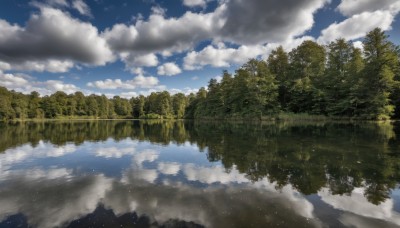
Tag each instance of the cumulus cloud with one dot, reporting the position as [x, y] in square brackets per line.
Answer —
[26, 84]
[56, 85]
[168, 69]
[160, 33]
[134, 61]
[138, 81]
[262, 21]
[352, 7]
[357, 26]
[13, 81]
[221, 56]
[52, 39]
[244, 22]
[53, 66]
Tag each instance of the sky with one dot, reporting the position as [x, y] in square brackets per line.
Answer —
[133, 47]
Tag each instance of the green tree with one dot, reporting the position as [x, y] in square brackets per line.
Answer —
[179, 105]
[262, 88]
[80, 103]
[307, 66]
[214, 103]
[337, 77]
[6, 110]
[92, 108]
[227, 90]
[381, 63]
[278, 64]
[34, 110]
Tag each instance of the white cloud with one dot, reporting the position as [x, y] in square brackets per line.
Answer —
[194, 3]
[160, 34]
[26, 84]
[358, 204]
[358, 44]
[222, 57]
[51, 41]
[56, 85]
[352, 7]
[53, 66]
[114, 152]
[12, 81]
[244, 22]
[168, 69]
[42, 150]
[82, 8]
[158, 10]
[37, 174]
[80, 197]
[137, 71]
[133, 61]
[169, 168]
[210, 175]
[357, 26]
[138, 81]
[128, 95]
[146, 155]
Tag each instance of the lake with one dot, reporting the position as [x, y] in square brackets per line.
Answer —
[199, 174]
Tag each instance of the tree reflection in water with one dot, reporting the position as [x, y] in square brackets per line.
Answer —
[309, 156]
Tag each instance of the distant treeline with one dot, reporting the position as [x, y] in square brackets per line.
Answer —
[336, 80]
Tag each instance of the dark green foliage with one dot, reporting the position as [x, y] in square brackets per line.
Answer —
[307, 66]
[278, 64]
[378, 76]
[251, 93]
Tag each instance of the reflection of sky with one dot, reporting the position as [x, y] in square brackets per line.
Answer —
[54, 185]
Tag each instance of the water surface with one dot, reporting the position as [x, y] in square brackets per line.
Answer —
[199, 174]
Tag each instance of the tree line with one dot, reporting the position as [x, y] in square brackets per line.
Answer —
[335, 80]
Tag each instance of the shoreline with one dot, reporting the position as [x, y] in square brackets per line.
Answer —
[235, 119]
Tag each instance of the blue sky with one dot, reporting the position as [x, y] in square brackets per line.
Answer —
[136, 47]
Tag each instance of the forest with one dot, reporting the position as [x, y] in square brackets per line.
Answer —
[335, 80]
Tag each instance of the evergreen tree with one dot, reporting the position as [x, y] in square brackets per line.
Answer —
[278, 64]
[378, 77]
[307, 66]
[337, 76]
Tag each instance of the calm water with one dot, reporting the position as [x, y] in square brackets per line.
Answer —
[188, 174]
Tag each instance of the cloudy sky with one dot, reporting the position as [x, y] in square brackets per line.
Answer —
[131, 47]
